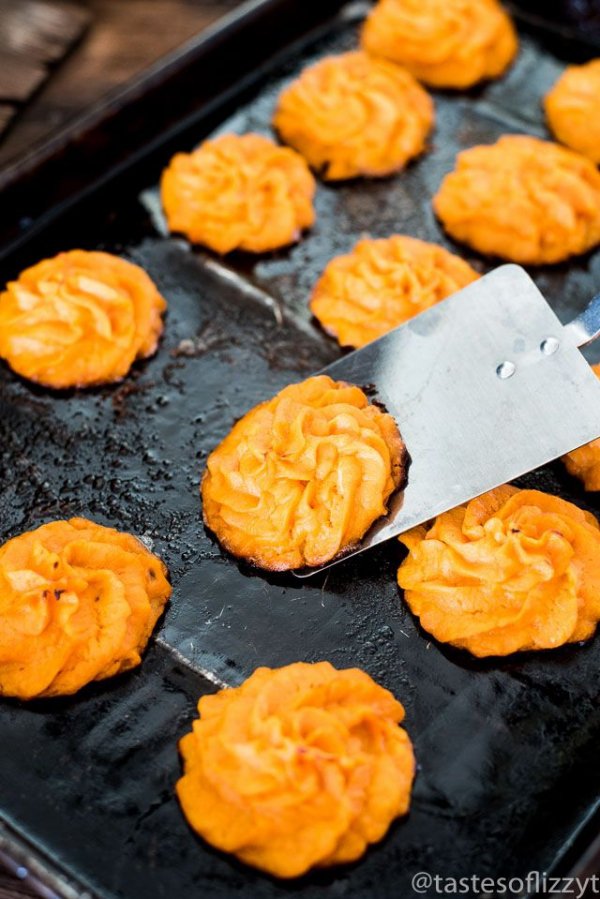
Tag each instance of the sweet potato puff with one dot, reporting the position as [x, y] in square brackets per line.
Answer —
[303, 476]
[383, 283]
[300, 766]
[573, 109]
[523, 199]
[78, 319]
[584, 463]
[444, 43]
[512, 570]
[78, 603]
[353, 115]
[239, 193]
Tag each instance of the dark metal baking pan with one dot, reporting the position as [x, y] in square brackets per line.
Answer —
[508, 777]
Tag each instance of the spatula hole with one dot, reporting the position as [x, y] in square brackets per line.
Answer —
[506, 370]
[549, 346]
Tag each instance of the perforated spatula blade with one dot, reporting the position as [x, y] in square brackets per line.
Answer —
[485, 386]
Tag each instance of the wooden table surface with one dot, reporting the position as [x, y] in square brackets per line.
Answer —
[12, 889]
[124, 37]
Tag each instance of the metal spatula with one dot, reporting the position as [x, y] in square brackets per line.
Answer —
[484, 386]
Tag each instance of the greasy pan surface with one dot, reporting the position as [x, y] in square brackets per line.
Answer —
[507, 749]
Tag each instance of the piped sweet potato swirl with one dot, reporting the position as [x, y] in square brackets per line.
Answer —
[352, 115]
[239, 193]
[300, 766]
[584, 462]
[303, 476]
[78, 603]
[79, 319]
[383, 283]
[523, 199]
[573, 109]
[512, 570]
[444, 43]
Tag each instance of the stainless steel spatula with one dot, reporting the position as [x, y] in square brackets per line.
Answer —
[484, 386]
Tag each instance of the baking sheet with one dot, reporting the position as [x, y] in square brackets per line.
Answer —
[507, 750]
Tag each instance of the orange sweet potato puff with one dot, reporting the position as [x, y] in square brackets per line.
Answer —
[300, 766]
[78, 603]
[79, 319]
[303, 476]
[512, 570]
[352, 115]
[523, 199]
[239, 193]
[584, 463]
[383, 283]
[444, 43]
[573, 109]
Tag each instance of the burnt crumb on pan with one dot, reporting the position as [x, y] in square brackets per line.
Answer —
[371, 392]
[170, 376]
[186, 347]
[125, 390]
[209, 337]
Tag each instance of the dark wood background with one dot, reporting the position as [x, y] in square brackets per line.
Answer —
[110, 41]
[12, 889]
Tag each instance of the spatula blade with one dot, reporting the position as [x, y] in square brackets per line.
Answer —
[484, 386]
